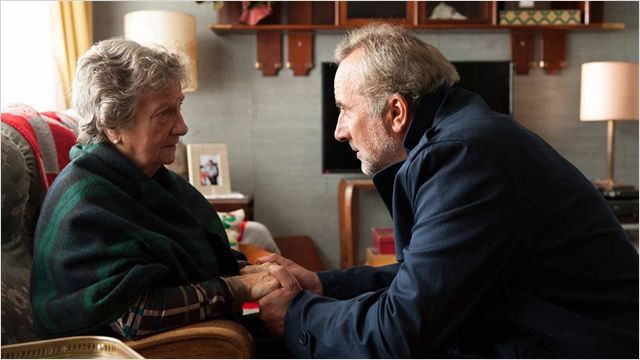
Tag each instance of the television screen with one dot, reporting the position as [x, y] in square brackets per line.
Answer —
[492, 80]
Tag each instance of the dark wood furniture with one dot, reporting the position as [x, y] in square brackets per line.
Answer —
[358, 13]
[304, 18]
[231, 204]
[626, 210]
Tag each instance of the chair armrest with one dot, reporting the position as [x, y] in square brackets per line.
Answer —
[213, 339]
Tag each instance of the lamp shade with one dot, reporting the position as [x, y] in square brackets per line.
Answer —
[609, 91]
[170, 29]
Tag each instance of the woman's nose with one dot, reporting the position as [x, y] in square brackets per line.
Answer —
[181, 127]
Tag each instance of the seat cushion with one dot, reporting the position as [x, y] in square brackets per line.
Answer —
[17, 322]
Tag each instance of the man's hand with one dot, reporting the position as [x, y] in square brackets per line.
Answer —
[307, 279]
[273, 307]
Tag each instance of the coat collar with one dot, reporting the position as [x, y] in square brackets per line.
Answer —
[383, 180]
[424, 118]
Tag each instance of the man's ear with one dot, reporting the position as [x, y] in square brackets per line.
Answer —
[398, 113]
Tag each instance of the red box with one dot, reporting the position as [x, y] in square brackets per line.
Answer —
[383, 240]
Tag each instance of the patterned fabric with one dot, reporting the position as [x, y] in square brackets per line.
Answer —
[24, 184]
[16, 259]
[233, 225]
[240, 231]
[107, 233]
[255, 233]
[161, 309]
[49, 138]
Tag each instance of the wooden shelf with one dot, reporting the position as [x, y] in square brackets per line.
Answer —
[222, 29]
[304, 19]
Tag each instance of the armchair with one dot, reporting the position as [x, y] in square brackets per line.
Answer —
[35, 148]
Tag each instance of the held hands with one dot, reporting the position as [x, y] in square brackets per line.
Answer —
[274, 282]
[273, 307]
[293, 279]
[251, 269]
[309, 280]
[251, 286]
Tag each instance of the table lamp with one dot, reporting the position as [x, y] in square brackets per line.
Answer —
[609, 92]
[170, 29]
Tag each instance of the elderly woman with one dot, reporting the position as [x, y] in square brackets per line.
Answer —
[123, 243]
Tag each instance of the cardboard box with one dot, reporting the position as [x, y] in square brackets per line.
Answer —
[376, 259]
[540, 17]
[383, 240]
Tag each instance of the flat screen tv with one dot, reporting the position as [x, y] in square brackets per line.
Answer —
[492, 80]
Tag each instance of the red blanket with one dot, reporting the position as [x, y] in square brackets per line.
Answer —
[48, 135]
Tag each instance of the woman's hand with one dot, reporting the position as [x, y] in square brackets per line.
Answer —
[251, 269]
[252, 286]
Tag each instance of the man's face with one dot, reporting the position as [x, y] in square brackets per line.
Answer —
[367, 135]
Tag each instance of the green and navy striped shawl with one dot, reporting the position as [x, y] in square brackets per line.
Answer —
[107, 232]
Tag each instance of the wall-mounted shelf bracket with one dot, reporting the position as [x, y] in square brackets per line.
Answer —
[300, 51]
[552, 50]
[269, 52]
[522, 50]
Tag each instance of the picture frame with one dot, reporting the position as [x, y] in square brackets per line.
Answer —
[209, 169]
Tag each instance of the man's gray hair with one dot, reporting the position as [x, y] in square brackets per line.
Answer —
[112, 76]
[395, 61]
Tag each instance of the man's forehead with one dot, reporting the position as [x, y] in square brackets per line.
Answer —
[348, 69]
[344, 82]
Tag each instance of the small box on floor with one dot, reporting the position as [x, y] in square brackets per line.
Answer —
[376, 259]
[383, 240]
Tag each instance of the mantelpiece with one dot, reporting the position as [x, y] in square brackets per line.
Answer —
[300, 20]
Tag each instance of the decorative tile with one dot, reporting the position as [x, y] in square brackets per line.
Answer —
[540, 17]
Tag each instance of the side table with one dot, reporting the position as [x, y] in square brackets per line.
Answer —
[626, 210]
[223, 204]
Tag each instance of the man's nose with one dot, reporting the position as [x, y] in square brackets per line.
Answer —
[342, 132]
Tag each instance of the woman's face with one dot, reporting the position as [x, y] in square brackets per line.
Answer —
[150, 141]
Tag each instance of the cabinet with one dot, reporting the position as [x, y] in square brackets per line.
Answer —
[358, 13]
[625, 208]
[231, 204]
[300, 20]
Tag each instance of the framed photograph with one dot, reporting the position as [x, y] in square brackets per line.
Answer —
[209, 168]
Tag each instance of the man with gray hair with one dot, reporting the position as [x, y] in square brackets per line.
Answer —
[504, 248]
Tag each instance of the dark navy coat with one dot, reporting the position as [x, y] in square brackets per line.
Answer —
[505, 250]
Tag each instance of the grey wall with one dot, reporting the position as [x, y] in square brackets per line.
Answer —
[272, 125]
